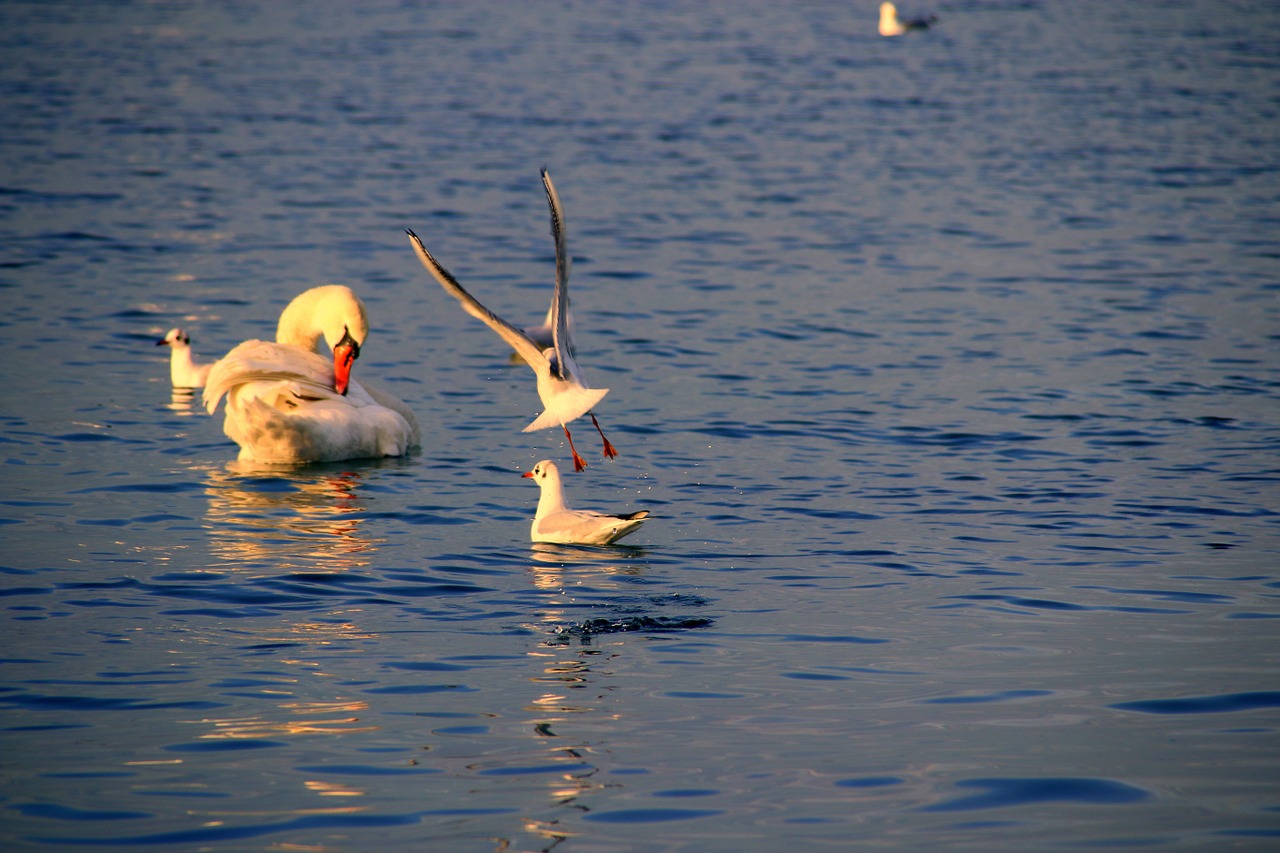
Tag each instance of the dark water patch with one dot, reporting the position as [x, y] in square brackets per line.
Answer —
[212, 834]
[89, 774]
[1008, 793]
[240, 683]
[988, 698]
[225, 745]
[365, 770]
[25, 590]
[97, 703]
[419, 689]
[537, 769]
[51, 727]
[155, 488]
[814, 676]
[94, 437]
[633, 816]
[1020, 602]
[926, 437]
[425, 666]
[1169, 595]
[850, 639]
[1149, 510]
[632, 624]
[52, 811]
[840, 515]
[1226, 703]
[869, 782]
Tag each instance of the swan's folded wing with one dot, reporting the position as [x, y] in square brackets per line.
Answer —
[515, 338]
[266, 361]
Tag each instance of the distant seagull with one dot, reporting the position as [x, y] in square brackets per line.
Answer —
[892, 25]
[183, 370]
[564, 393]
[555, 522]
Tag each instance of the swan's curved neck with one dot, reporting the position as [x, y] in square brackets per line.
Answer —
[327, 313]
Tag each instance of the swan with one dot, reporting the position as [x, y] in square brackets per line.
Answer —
[892, 25]
[287, 403]
[564, 393]
[554, 522]
[183, 370]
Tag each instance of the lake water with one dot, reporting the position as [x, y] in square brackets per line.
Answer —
[947, 365]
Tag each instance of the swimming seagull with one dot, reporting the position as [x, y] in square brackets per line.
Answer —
[555, 522]
[892, 25]
[564, 393]
[183, 371]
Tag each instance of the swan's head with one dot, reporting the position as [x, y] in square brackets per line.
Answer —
[175, 338]
[544, 472]
[889, 23]
[333, 313]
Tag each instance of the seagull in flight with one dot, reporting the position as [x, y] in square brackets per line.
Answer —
[564, 393]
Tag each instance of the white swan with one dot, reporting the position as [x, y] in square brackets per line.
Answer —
[892, 25]
[555, 522]
[564, 393]
[287, 403]
[183, 371]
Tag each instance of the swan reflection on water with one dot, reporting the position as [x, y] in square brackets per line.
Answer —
[287, 519]
[275, 522]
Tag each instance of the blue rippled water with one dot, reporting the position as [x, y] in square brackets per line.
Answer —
[946, 365]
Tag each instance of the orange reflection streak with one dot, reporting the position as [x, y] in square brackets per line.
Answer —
[291, 518]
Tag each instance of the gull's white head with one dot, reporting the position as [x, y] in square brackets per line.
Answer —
[545, 472]
[175, 338]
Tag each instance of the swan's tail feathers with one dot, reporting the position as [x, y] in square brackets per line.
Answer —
[567, 406]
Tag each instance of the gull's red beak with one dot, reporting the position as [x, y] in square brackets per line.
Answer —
[344, 355]
[527, 474]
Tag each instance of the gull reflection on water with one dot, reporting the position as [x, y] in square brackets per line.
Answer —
[574, 699]
[182, 401]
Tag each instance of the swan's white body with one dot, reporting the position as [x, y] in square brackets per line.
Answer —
[564, 393]
[183, 371]
[555, 522]
[892, 25]
[284, 399]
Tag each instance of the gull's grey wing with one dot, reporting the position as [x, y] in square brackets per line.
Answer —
[517, 339]
[560, 298]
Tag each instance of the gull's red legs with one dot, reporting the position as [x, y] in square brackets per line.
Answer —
[578, 464]
[609, 452]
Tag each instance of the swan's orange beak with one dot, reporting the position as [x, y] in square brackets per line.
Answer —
[344, 355]
[527, 474]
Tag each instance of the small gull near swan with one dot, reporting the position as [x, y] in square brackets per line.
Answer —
[183, 371]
